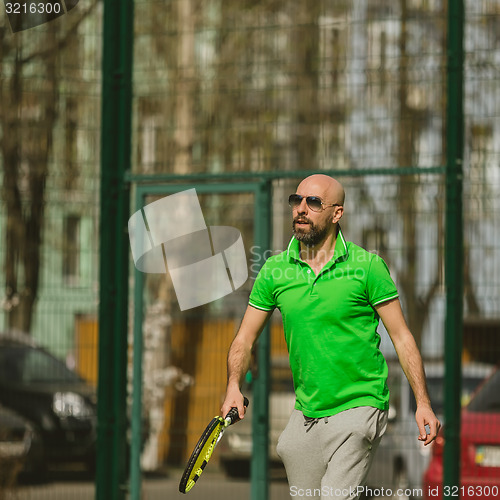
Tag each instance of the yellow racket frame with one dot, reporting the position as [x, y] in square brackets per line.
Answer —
[205, 447]
[202, 453]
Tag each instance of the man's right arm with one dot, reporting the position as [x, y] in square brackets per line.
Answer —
[238, 359]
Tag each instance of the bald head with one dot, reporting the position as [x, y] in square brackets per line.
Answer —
[327, 188]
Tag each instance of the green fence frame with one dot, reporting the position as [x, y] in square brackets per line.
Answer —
[114, 252]
[260, 421]
[454, 246]
[116, 181]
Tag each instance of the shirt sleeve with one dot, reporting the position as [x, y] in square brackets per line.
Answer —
[380, 286]
[262, 296]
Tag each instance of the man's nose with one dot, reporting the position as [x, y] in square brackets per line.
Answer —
[302, 208]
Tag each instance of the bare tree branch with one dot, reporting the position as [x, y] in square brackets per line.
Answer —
[61, 42]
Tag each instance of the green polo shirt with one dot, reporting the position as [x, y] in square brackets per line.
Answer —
[330, 325]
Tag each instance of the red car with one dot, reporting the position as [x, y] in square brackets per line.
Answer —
[480, 449]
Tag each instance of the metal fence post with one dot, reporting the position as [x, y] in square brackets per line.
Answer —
[114, 249]
[259, 467]
[454, 245]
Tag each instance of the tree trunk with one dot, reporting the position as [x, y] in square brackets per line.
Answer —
[26, 154]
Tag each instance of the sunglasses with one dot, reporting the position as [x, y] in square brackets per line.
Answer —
[313, 202]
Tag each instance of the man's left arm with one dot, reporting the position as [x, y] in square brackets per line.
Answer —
[409, 357]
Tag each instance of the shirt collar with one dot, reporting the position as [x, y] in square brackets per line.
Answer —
[340, 253]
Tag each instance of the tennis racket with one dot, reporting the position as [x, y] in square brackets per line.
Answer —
[205, 447]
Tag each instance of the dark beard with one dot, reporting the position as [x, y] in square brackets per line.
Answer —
[314, 236]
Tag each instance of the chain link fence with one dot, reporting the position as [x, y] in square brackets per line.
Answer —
[239, 88]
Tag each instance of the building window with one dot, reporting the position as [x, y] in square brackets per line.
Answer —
[71, 250]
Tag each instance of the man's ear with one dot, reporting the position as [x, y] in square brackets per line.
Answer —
[337, 215]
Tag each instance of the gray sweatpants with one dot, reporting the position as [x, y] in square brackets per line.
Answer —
[330, 458]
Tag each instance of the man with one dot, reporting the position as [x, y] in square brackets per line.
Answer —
[331, 294]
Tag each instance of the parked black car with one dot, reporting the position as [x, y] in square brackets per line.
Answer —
[16, 441]
[60, 406]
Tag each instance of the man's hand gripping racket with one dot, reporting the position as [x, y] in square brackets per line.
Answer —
[205, 447]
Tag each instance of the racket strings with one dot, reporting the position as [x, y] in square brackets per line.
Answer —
[208, 454]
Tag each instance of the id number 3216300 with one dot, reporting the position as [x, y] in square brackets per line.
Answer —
[33, 7]
[465, 491]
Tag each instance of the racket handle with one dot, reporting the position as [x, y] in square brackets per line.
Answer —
[233, 415]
